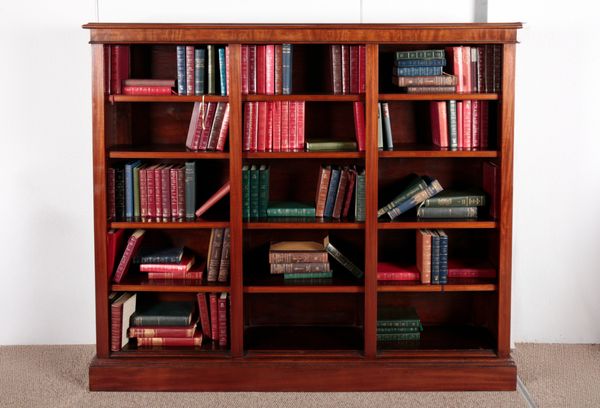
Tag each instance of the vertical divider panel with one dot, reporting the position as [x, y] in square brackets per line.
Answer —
[371, 164]
[235, 213]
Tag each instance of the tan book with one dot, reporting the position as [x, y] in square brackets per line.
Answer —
[297, 252]
[424, 255]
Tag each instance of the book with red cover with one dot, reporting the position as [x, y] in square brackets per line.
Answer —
[244, 70]
[345, 64]
[252, 69]
[392, 271]
[119, 67]
[189, 69]
[336, 68]
[470, 269]
[270, 69]
[340, 194]
[166, 191]
[293, 127]
[222, 306]
[254, 128]
[194, 128]
[181, 191]
[349, 191]
[322, 187]
[222, 192]
[300, 109]
[262, 126]
[247, 131]
[277, 126]
[204, 314]
[121, 308]
[269, 127]
[170, 341]
[459, 125]
[359, 125]
[467, 126]
[149, 82]
[214, 316]
[261, 74]
[158, 191]
[146, 90]
[278, 69]
[205, 123]
[172, 189]
[354, 69]
[133, 245]
[484, 123]
[185, 275]
[151, 201]
[362, 68]
[183, 266]
[285, 126]
[439, 124]
[225, 257]
[114, 242]
[475, 115]
[224, 131]
[144, 192]
[217, 126]
[466, 69]
[112, 194]
[163, 331]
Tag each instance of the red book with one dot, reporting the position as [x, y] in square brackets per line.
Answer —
[163, 331]
[189, 69]
[165, 174]
[354, 69]
[475, 142]
[262, 126]
[285, 126]
[170, 341]
[470, 269]
[391, 271]
[173, 190]
[188, 275]
[466, 69]
[205, 124]
[119, 67]
[359, 125]
[144, 192]
[248, 123]
[121, 308]
[270, 69]
[252, 69]
[336, 68]
[214, 316]
[244, 70]
[114, 242]
[147, 90]
[484, 123]
[224, 130]
[278, 69]
[261, 74]
[151, 210]
[439, 124]
[345, 69]
[455, 61]
[269, 135]
[300, 116]
[293, 127]
[362, 68]
[254, 129]
[195, 128]
[181, 191]
[158, 191]
[349, 191]
[203, 313]
[222, 306]
[183, 266]
[112, 195]
[277, 126]
[459, 125]
[467, 129]
[133, 245]
[222, 192]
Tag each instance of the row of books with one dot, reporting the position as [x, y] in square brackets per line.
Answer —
[152, 191]
[202, 70]
[456, 269]
[308, 260]
[432, 256]
[267, 69]
[336, 188]
[274, 126]
[417, 190]
[209, 127]
[255, 191]
[452, 204]
[460, 124]
[348, 68]
[398, 324]
[477, 68]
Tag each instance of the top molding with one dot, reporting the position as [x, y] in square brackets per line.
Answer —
[115, 33]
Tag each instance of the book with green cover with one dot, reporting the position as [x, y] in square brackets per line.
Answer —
[342, 259]
[384, 330]
[420, 54]
[398, 336]
[254, 188]
[415, 185]
[263, 190]
[454, 198]
[359, 199]
[164, 314]
[136, 190]
[245, 192]
[190, 189]
[447, 212]
[308, 275]
[290, 209]
[433, 187]
[391, 316]
[325, 145]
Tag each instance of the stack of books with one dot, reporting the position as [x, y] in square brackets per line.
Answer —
[267, 69]
[255, 190]
[218, 258]
[299, 260]
[165, 324]
[348, 69]
[418, 190]
[335, 189]
[432, 256]
[209, 127]
[170, 263]
[202, 70]
[421, 71]
[460, 124]
[398, 325]
[452, 204]
[214, 310]
[273, 126]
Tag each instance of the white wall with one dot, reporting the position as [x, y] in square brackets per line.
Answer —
[46, 294]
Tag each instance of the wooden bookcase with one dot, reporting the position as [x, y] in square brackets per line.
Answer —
[310, 337]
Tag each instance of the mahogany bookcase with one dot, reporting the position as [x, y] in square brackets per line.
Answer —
[311, 337]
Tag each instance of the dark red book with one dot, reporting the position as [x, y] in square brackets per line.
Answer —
[362, 68]
[214, 316]
[114, 243]
[144, 192]
[262, 126]
[119, 67]
[151, 210]
[300, 117]
[340, 194]
[222, 305]
[475, 115]
[189, 69]
[354, 69]
[345, 69]
[158, 191]
[483, 123]
[269, 135]
[277, 126]
[359, 125]
[133, 245]
[278, 69]
[244, 70]
[170, 341]
[181, 191]
[391, 271]
[121, 308]
[186, 275]
[252, 69]
[293, 127]
[224, 130]
[222, 192]
[163, 331]
[349, 191]
[467, 127]
[173, 190]
[336, 68]
[149, 82]
[248, 125]
[183, 266]
[470, 269]
[261, 74]
[146, 90]
[165, 173]
[254, 129]
[270, 69]
[111, 192]
[205, 123]
[204, 313]
[285, 126]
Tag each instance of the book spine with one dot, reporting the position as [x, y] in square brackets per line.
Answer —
[120, 192]
[222, 72]
[261, 75]
[443, 258]
[151, 210]
[497, 64]
[439, 80]
[398, 323]
[158, 192]
[132, 245]
[467, 128]
[471, 273]
[447, 212]
[424, 256]
[382, 330]
[340, 193]
[353, 69]
[214, 259]
[190, 189]
[398, 336]
[435, 259]
[210, 50]
[248, 123]
[359, 125]
[110, 186]
[387, 126]
[467, 200]
[254, 188]
[263, 191]
[459, 125]
[245, 69]
[199, 67]
[331, 192]
[222, 192]
[452, 126]
[398, 276]
[466, 67]
[222, 316]
[252, 69]
[227, 71]
[297, 257]
[430, 89]
[342, 259]
[286, 57]
[293, 127]
[420, 54]
[474, 64]
[147, 90]
[214, 316]
[129, 188]
[480, 69]
[484, 124]
[276, 126]
[300, 267]
[345, 63]
[439, 124]
[415, 200]
[270, 69]
[417, 71]
[224, 130]
[300, 109]
[285, 126]
[181, 192]
[475, 116]
[116, 318]
[189, 69]
[194, 129]
[405, 195]
[181, 73]
[322, 189]
[359, 205]
[177, 275]
[169, 341]
[308, 275]
[245, 193]
[179, 332]
[291, 212]
[163, 268]
[173, 191]
[205, 125]
[440, 62]
[225, 254]
[362, 68]
[336, 68]
[349, 192]
[269, 136]
[216, 126]
[254, 129]
[278, 69]
[166, 191]
[262, 127]
[204, 314]
[379, 127]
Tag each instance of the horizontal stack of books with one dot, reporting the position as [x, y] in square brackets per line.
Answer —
[273, 126]
[432, 256]
[460, 124]
[452, 204]
[202, 70]
[335, 189]
[398, 325]
[267, 69]
[214, 316]
[418, 190]
[209, 127]
[348, 68]
[170, 263]
[421, 71]
[299, 260]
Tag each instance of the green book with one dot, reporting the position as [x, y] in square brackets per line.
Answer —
[359, 198]
[325, 145]
[245, 192]
[447, 212]
[308, 275]
[387, 330]
[254, 187]
[164, 314]
[342, 259]
[290, 209]
[263, 190]
[388, 316]
[455, 198]
[136, 191]
[416, 184]
[398, 336]
[420, 54]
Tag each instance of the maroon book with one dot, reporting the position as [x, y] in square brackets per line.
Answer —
[119, 67]
[277, 126]
[269, 133]
[189, 69]
[278, 69]
[205, 123]
[163, 331]
[222, 312]
[354, 69]
[262, 126]
[252, 69]
[345, 64]
[173, 190]
[158, 191]
[359, 125]
[146, 90]
[470, 269]
[165, 174]
[293, 127]
[340, 194]
[459, 124]
[475, 115]
[181, 191]
[224, 131]
[204, 314]
[245, 69]
[170, 341]
[362, 68]
[467, 126]
[214, 316]
[133, 245]
[151, 210]
[185, 275]
[114, 243]
[248, 123]
[483, 123]
[391, 271]
[300, 109]
[261, 74]
[285, 126]
[222, 192]
[182, 266]
[270, 69]
[195, 128]
[349, 191]
[112, 195]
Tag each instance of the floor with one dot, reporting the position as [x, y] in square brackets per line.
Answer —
[56, 376]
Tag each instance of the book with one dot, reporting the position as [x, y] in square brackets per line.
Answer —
[420, 62]
[119, 67]
[470, 269]
[349, 192]
[340, 194]
[332, 191]
[215, 248]
[416, 184]
[129, 188]
[245, 191]
[190, 189]
[199, 69]
[159, 256]
[420, 54]
[191, 275]
[120, 192]
[387, 271]
[161, 331]
[278, 74]
[456, 198]
[222, 192]
[217, 125]
[439, 124]
[424, 255]
[194, 341]
[388, 316]
[146, 90]
[430, 89]
[435, 257]
[322, 189]
[280, 268]
[387, 127]
[345, 65]
[114, 242]
[121, 310]
[222, 316]
[254, 189]
[443, 256]
[189, 69]
[263, 190]
[384, 330]
[308, 275]
[133, 245]
[452, 128]
[447, 212]
[270, 69]
[328, 145]
[204, 313]
[359, 198]
[417, 71]
[212, 69]
[342, 259]
[379, 127]
[437, 80]
[225, 257]
[164, 314]
[290, 209]
[335, 55]
[287, 64]
[359, 125]
[297, 252]
[182, 266]
[398, 336]
[214, 316]
[181, 70]
[205, 126]
[223, 130]
[433, 187]
[222, 71]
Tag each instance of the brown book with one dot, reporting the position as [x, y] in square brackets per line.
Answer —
[170, 341]
[279, 268]
[214, 253]
[222, 192]
[224, 263]
[194, 129]
[121, 310]
[204, 314]
[149, 82]
[278, 69]
[163, 331]
[133, 245]
[430, 89]
[214, 316]
[340, 194]
[297, 252]
[222, 312]
[336, 68]
[424, 255]
[436, 80]
[322, 187]
[349, 192]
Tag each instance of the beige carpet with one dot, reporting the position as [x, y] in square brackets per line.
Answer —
[56, 376]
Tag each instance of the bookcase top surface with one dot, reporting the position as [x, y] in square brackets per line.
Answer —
[313, 33]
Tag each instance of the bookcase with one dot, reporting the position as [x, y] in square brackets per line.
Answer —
[310, 336]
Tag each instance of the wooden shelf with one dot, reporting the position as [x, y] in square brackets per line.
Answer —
[181, 224]
[305, 97]
[207, 350]
[277, 284]
[303, 155]
[303, 338]
[437, 97]
[303, 223]
[166, 98]
[140, 283]
[453, 285]
[164, 152]
[415, 223]
[429, 151]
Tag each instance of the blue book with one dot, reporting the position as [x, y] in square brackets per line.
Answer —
[129, 193]
[223, 71]
[190, 189]
[199, 68]
[441, 62]
[181, 74]
[418, 71]
[443, 257]
[331, 191]
[435, 258]
[286, 63]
